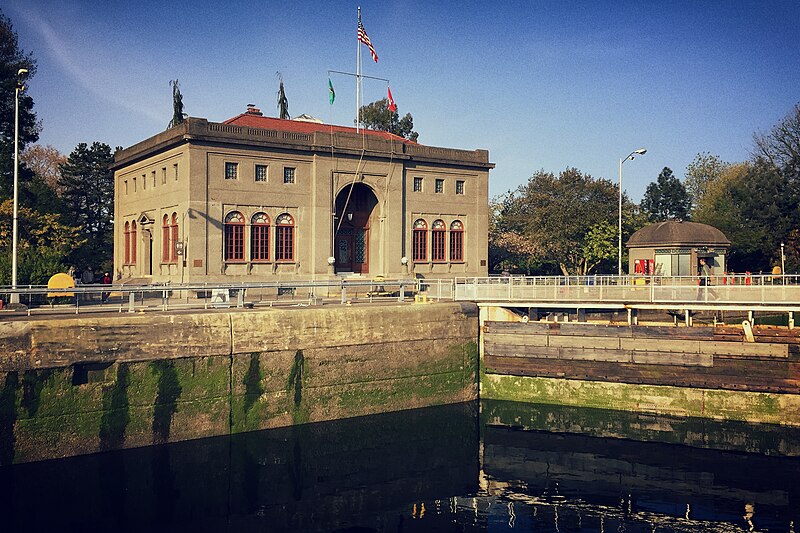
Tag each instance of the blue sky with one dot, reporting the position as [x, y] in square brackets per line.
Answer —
[541, 85]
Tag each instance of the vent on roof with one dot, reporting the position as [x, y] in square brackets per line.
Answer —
[253, 110]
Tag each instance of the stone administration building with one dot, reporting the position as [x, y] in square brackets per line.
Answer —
[258, 199]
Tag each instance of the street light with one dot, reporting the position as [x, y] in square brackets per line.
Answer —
[631, 156]
[15, 235]
[783, 263]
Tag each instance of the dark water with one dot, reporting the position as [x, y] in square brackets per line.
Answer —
[438, 469]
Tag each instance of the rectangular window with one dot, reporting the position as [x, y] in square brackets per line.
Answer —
[261, 172]
[284, 243]
[126, 186]
[288, 175]
[234, 242]
[459, 186]
[154, 178]
[420, 245]
[175, 169]
[437, 246]
[164, 176]
[231, 171]
[259, 247]
[144, 181]
[439, 186]
[417, 184]
[134, 184]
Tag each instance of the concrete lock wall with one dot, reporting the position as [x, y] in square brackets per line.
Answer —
[70, 387]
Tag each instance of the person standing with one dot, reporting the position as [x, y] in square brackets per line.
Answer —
[106, 281]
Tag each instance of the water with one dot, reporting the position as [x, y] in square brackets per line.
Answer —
[440, 469]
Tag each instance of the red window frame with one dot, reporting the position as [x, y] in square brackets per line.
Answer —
[133, 242]
[127, 260]
[438, 239]
[174, 239]
[259, 237]
[165, 234]
[234, 237]
[284, 238]
[419, 248]
[457, 242]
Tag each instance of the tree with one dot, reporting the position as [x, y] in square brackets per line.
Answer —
[704, 170]
[88, 191]
[666, 198]
[781, 146]
[567, 220]
[178, 116]
[43, 247]
[12, 58]
[45, 162]
[378, 116]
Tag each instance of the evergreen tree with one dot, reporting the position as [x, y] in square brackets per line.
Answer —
[12, 58]
[88, 192]
[378, 116]
[666, 198]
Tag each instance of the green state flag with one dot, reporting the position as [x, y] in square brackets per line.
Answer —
[332, 95]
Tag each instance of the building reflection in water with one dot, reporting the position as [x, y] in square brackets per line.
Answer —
[503, 467]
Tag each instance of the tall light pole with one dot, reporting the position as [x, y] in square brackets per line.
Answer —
[15, 234]
[783, 262]
[631, 156]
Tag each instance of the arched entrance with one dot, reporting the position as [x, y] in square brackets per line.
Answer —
[352, 223]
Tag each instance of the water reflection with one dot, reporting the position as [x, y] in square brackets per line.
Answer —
[440, 469]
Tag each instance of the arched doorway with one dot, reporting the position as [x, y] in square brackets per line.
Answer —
[354, 210]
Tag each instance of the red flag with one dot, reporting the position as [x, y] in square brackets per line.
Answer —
[364, 38]
[392, 105]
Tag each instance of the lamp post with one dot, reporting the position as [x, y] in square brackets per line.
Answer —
[15, 235]
[631, 156]
[783, 262]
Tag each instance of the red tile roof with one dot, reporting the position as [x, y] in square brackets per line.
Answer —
[296, 126]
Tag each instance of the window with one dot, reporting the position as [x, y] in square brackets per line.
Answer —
[288, 175]
[438, 234]
[259, 243]
[420, 241]
[457, 241]
[165, 235]
[134, 184]
[126, 187]
[439, 185]
[144, 181]
[133, 243]
[234, 237]
[417, 184]
[231, 171]
[127, 260]
[175, 169]
[261, 172]
[459, 186]
[163, 175]
[284, 238]
[174, 229]
[154, 178]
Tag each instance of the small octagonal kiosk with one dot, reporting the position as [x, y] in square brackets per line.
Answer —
[675, 248]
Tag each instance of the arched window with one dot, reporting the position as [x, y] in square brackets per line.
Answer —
[259, 241]
[165, 254]
[234, 237]
[284, 238]
[127, 260]
[174, 239]
[438, 237]
[457, 241]
[133, 242]
[420, 241]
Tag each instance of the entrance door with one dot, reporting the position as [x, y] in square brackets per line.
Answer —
[354, 209]
[344, 250]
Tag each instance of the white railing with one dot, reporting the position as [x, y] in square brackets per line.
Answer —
[761, 289]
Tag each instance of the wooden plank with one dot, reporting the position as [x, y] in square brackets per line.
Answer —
[516, 338]
[676, 345]
[672, 358]
[606, 343]
[591, 354]
[746, 349]
[510, 350]
[519, 327]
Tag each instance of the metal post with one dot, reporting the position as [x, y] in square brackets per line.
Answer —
[15, 231]
[402, 294]
[131, 302]
[344, 294]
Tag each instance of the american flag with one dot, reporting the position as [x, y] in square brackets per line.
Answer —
[364, 38]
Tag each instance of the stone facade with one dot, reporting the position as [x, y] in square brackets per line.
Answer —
[260, 199]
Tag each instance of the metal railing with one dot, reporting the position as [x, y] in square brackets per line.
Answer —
[37, 299]
[731, 290]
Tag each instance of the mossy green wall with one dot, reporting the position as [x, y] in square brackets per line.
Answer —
[84, 385]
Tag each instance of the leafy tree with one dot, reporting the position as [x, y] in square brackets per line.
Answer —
[88, 192]
[178, 116]
[666, 198]
[704, 170]
[378, 116]
[567, 220]
[43, 248]
[13, 58]
[45, 162]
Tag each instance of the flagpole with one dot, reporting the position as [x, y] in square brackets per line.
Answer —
[358, 76]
